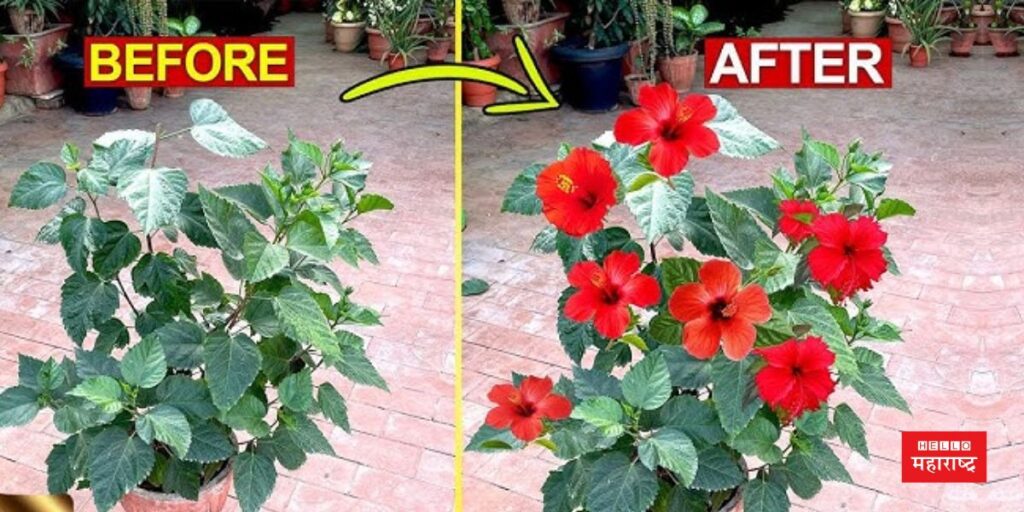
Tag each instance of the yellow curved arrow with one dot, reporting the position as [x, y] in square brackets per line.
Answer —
[470, 73]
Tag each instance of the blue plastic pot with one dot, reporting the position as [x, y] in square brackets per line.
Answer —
[89, 101]
[591, 79]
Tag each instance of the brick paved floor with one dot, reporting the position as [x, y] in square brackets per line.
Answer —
[399, 457]
[954, 138]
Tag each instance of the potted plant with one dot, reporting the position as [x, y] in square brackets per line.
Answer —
[897, 31]
[590, 58]
[920, 17]
[398, 27]
[846, 25]
[181, 27]
[866, 17]
[698, 383]
[31, 68]
[348, 24]
[982, 14]
[169, 402]
[102, 18]
[476, 26]
[949, 13]
[29, 16]
[540, 35]
[1016, 13]
[688, 28]
[1003, 31]
[439, 43]
[963, 35]
[643, 50]
[145, 18]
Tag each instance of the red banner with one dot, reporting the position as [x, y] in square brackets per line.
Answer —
[798, 62]
[944, 457]
[190, 61]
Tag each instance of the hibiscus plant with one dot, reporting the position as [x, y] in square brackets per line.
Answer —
[697, 382]
[180, 378]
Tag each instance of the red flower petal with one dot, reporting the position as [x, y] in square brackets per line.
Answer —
[702, 109]
[701, 337]
[534, 389]
[585, 274]
[865, 234]
[668, 158]
[642, 290]
[581, 305]
[720, 277]
[831, 230]
[737, 338]
[620, 266]
[611, 320]
[689, 302]
[502, 393]
[554, 407]
[527, 429]
[700, 140]
[752, 304]
[502, 416]
[660, 102]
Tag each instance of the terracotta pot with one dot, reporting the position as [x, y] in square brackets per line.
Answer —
[328, 32]
[539, 36]
[847, 19]
[284, 6]
[378, 46]
[476, 94]
[3, 82]
[947, 15]
[395, 61]
[43, 76]
[347, 36]
[961, 43]
[634, 83]
[212, 498]
[983, 16]
[636, 49]
[424, 26]
[437, 49]
[139, 97]
[521, 12]
[918, 57]
[1004, 42]
[1017, 15]
[174, 92]
[26, 21]
[898, 33]
[679, 71]
[866, 24]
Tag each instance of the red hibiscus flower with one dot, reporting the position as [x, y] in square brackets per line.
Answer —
[525, 407]
[604, 293]
[849, 255]
[674, 128]
[719, 309]
[797, 217]
[796, 378]
[577, 192]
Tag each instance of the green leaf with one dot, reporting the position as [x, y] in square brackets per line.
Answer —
[254, 480]
[262, 259]
[672, 450]
[471, 287]
[231, 366]
[735, 398]
[736, 228]
[303, 319]
[717, 470]
[80, 236]
[685, 370]
[491, 440]
[92, 363]
[815, 162]
[758, 439]
[110, 161]
[594, 383]
[119, 249]
[154, 195]
[86, 302]
[247, 414]
[282, 448]
[353, 363]
[798, 474]
[117, 464]
[660, 208]
[182, 341]
[774, 270]
[563, 489]
[50, 232]
[693, 417]
[249, 197]
[226, 222]
[61, 467]
[761, 495]
[305, 433]
[851, 429]
[213, 129]
[103, 391]
[679, 271]
[576, 438]
[167, 425]
[761, 201]
[333, 406]
[18, 406]
[602, 412]
[306, 236]
[521, 196]
[874, 386]
[183, 478]
[699, 229]
[814, 312]
[813, 423]
[301, 160]
[296, 391]
[189, 396]
[353, 246]
[42, 185]
[824, 463]
[210, 443]
[647, 385]
[893, 207]
[145, 364]
[192, 221]
[619, 485]
[738, 138]
[545, 242]
[373, 202]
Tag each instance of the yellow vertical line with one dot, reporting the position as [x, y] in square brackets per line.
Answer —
[458, 265]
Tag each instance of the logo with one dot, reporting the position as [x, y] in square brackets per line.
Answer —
[944, 457]
[790, 62]
[189, 61]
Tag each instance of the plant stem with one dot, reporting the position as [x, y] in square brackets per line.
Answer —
[124, 292]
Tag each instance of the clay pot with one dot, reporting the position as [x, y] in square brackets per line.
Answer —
[521, 12]
[961, 42]
[26, 21]
[328, 32]
[1004, 42]
[437, 49]
[3, 84]
[918, 57]
[347, 36]
[212, 498]
[424, 26]
[983, 16]
[634, 83]
[395, 61]
[378, 46]
[1017, 15]
[174, 92]
[947, 15]
[636, 50]
[476, 94]
[42, 76]
[898, 33]
[847, 19]
[284, 6]
[866, 24]
[139, 97]
[679, 71]
[539, 37]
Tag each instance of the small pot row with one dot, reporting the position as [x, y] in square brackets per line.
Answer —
[347, 36]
